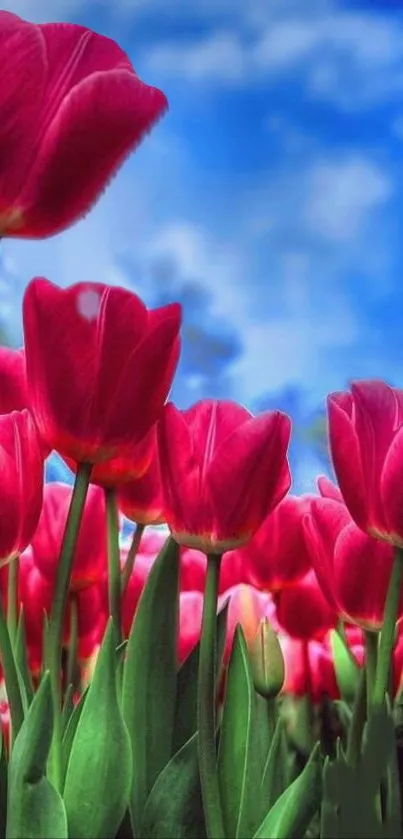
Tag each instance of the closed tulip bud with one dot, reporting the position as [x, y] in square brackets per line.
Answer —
[268, 668]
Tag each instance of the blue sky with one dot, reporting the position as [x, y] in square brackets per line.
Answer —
[268, 200]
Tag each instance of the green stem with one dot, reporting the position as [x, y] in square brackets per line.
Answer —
[112, 518]
[387, 639]
[131, 556]
[60, 595]
[10, 676]
[358, 721]
[371, 659]
[73, 643]
[206, 704]
[12, 599]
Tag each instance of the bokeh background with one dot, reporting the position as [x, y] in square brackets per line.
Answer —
[268, 201]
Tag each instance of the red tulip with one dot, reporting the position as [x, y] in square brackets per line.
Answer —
[92, 617]
[366, 441]
[137, 581]
[117, 358]
[118, 471]
[223, 470]
[277, 556]
[352, 568]
[71, 109]
[13, 381]
[90, 558]
[303, 611]
[142, 500]
[22, 457]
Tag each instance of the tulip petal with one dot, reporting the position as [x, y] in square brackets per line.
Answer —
[21, 88]
[362, 568]
[346, 457]
[249, 474]
[180, 473]
[391, 489]
[328, 489]
[376, 421]
[146, 379]
[98, 123]
[322, 526]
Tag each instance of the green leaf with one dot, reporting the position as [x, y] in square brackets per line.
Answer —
[174, 808]
[294, 810]
[275, 773]
[69, 731]
[351, 795]
[185, 723]
[35, 809]
[346, 667]
[98, 778]
[236, 757]
[3, 788]
[68, 706]
[149, 680]
[21, 661]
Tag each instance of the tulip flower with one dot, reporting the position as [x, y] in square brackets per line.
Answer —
[303, 611]
[223, 470]
[134, 588]
[90, 556]
[71, 109]
[328, 489]
[141, 500]
[246, 606]
[190, 622]
[193, 567]
[353, 569]
[277, 556]
[13, 381]
[366, 442]
[118, 359]
[22, 458]
[35, 596]
[309, 666]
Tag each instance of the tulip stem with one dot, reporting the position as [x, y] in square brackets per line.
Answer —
[131, 556]
[358, 721]
[60, 596]
[73, 643]
[206, 704]
[12, 599]
[387, 639]
[112, 518]
[10, 676]
[371, 649]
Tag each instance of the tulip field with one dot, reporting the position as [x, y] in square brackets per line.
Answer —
[234, 666]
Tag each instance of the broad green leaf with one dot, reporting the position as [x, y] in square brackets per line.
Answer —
[346, 667]
[293, 812]
[149, 679]
[174, 807]
[185, 723]
[274, 781]
[236, 756]
[35, 810]
[98, 778]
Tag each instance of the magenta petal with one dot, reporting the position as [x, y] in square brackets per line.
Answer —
[391, 489]
[21, 88]
[322, 526]
[180, 474]
[247, 472]
[328, 489]
[346, 456]
[99, 122]
[362, 568]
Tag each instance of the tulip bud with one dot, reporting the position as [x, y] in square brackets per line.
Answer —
[267, 661]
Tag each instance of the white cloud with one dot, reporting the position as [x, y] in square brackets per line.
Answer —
[342, 194]
[218, 55]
